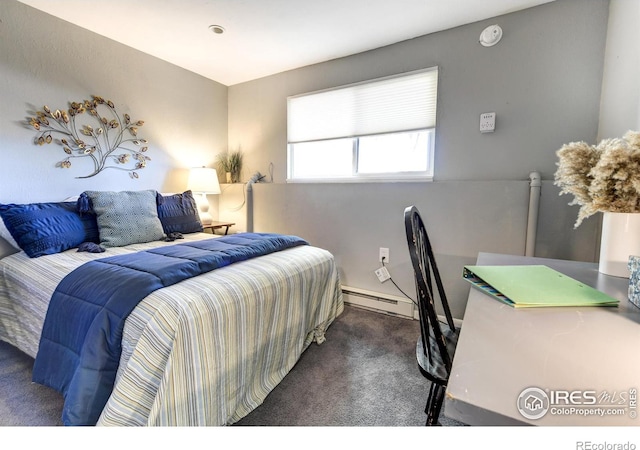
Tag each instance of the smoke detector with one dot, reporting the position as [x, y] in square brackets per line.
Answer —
[491, 35]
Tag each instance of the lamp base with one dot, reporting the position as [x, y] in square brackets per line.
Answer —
[206, 219]
[203, 210]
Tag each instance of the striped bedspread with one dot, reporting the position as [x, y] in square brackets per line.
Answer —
[205, 351]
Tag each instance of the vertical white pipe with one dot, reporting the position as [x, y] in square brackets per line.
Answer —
[535, 185]
[250, 206]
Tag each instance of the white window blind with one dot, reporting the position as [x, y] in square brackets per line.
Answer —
[400, 103]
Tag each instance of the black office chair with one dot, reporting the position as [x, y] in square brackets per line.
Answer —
[437, 343]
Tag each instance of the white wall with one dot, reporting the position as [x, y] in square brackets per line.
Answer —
[620, 105]
[47, 61]
[543, 80]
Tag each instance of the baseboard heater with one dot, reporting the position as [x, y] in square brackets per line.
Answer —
[378, 301]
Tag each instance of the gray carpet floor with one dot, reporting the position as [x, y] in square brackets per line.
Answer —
[364, 374]
[23, 403]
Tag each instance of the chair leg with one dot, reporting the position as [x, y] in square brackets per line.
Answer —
[434, 404]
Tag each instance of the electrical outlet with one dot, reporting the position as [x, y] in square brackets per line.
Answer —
[383, 274]
[384, 253]
[487, 122]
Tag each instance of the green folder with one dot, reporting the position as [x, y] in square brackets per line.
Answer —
[534, 286]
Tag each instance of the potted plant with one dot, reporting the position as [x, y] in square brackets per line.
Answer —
[606, 178]
[230, 164]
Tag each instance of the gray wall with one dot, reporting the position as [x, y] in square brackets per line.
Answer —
[353, 221]
[543, 80]
[47, 61]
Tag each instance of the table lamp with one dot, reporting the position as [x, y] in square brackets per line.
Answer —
[203, 180]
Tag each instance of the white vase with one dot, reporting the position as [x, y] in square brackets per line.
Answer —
[620, 239]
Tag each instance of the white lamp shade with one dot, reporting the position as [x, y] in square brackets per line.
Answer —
[203, 180]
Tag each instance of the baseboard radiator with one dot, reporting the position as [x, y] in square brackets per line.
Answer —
[385, 303]
[378, 301]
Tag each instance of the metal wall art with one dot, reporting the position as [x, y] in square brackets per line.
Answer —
[93, 129]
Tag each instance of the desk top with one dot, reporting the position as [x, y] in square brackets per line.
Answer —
[573, 366]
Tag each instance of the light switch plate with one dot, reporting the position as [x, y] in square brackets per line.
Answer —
[487, 122]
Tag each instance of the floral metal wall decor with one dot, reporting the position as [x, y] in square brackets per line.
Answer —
[111, 143]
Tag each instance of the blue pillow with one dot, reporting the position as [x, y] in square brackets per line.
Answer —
[48, 228]
[179, 214]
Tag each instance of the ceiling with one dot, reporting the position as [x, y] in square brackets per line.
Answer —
[263, 37]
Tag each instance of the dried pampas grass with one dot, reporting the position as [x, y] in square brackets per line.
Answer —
[604, 178]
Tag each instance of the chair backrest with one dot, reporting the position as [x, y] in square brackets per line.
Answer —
[426, 271]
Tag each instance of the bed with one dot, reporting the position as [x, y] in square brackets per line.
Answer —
[204, 351]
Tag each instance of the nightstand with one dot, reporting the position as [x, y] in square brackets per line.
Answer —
[215, 225]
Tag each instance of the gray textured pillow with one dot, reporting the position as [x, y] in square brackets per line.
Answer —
[127, 217]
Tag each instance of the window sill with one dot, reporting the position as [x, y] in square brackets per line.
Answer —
[408, 179]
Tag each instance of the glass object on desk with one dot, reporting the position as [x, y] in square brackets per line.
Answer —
[634, 280]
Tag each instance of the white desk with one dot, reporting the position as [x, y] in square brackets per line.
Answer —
[586, 352]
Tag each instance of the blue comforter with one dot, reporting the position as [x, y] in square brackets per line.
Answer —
[80, 345]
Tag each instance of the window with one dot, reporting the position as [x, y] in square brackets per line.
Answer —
[378, 130]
